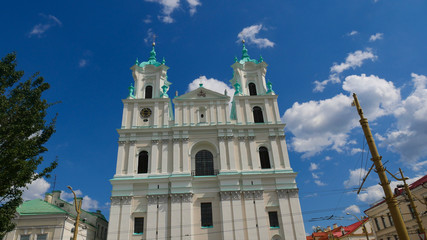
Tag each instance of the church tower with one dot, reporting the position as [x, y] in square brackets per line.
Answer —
[199, 169]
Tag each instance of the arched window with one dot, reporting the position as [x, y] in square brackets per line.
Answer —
[263, 157]
[143, 162]
[252, 89]
[148, 92]
[204, 163]
[258, 118]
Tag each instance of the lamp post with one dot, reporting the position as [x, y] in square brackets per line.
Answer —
[78, 210]
[363, 225]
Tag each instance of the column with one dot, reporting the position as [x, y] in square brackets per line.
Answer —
[268, 115]
[185, 165]
[154, 156]
[211, 111]
[218, 112]
[227, 222]
[248, 113]
[261, 216]
[277, 113]
[165, 155]
[227, 113]
[125, 218]
[162, 226]
[156, 114]
[176, 216]
[135, 115]
[254, 154]
[285, 154]
[185, 113]
[165, 114]
[286, 215]
[151, 231]
[120, 158]
[113, 225]
[251, 222]
[243, 153]
[296, 213]
[192, 121]
[125, 115]
[275, 152]
[222, 154]
[131, 158]
[237, 215]
[186, 220]
[176, 155]
[232, 162]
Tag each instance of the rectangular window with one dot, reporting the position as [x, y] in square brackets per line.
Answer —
[390, 219]
[383, 220]
[206, 212]
[412, 211]
[395, 237]
[42, 236]
[377, 224]
[138, 225]
[25, 237]
[274, 220]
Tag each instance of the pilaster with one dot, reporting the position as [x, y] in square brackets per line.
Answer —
[176, 156]
[120, 158]
[227, 221]
[222, 154]
[185, 160]
[131, 158]
[275, 152]
[232, 161]
[165, 155]
[243, 153]
[154, 156]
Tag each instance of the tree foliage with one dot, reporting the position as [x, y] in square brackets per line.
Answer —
[23, 133]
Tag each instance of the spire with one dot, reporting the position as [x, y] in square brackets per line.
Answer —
[152, 59]
[152, 53]
[245, 54]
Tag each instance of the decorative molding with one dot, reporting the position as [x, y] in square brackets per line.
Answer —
[272, 137]
[165, 141]
[125, 200]
[227, 195]
[154, 141]
[241, 138]
[184, 139]
[229, 138]
[157, 198]
[282, 193]
[122, 142]
[254, 194]
[222, 138]
[187, 197]
[176, 140]
[282, 136]
[250, 138]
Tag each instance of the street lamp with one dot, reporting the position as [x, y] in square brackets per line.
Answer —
[363, 225]
[78, 210]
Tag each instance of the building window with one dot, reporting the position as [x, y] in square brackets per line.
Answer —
[258, 118]
[143, 162]
[390, 219]
[148, 92]
[377, 224]
[274, 220]
[42, 236]
[25, 237]
[412, 211]
[138, 225]
[204, 163]
[263, 156]
[202, 114]
[206, 212]
[252, 89]
[395, 237]
[383, 220]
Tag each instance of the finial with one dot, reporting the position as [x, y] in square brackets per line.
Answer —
[153, 44]
[200, 84]
[163, 61]
[136, 62]
[131, 89]
[245, 54]
[235, 59]
[261, 59]
[270, 88]
[243, 41]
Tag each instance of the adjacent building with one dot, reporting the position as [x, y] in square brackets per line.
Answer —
[354, 231]
[196, 166]
[383, 223]
[54, 219]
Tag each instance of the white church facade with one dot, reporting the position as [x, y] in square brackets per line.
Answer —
[197, 167]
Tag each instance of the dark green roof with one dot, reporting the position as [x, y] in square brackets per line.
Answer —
[37, 207]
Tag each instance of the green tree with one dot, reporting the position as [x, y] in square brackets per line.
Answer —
[23, 133]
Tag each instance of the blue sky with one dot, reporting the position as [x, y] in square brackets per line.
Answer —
[318, 52]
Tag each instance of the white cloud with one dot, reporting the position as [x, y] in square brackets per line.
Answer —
[353, 60]
[315, 176]
[40, 28]
[193, 4]
[313, 166]
[355, 177]
[327, 158]
[169, 6]
[375, 193]
[83, 63]
[36, 190]
[147, 19]
[88, 203]
[319, 183]
[352, 209]
[320, 125]
[150, 36]
[352, 33]
[355, 150]
[211, 84]
[408, 138]
[69, 196]
[375, 37]
[249, 35]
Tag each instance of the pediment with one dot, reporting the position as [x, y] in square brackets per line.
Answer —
[202, 93]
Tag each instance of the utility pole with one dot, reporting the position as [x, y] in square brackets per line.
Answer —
[363, 225]
[78, 210]
[421, 229]
[402, 232]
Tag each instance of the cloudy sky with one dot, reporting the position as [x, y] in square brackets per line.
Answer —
[318, 52]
